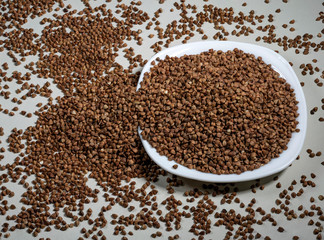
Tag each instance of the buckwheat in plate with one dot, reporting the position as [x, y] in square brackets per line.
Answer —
[280, 65]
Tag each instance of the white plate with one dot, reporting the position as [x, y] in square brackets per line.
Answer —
[280, 65]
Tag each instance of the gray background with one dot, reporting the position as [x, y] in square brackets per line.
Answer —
[305, 13]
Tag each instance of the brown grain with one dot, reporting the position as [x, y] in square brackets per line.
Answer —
[179, 110]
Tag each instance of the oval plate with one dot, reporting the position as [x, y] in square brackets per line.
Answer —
[280, 65]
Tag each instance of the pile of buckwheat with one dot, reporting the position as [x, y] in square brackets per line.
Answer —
[217, 112]
[71, 162]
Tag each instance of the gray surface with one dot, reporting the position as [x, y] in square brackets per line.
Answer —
[304, 12]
